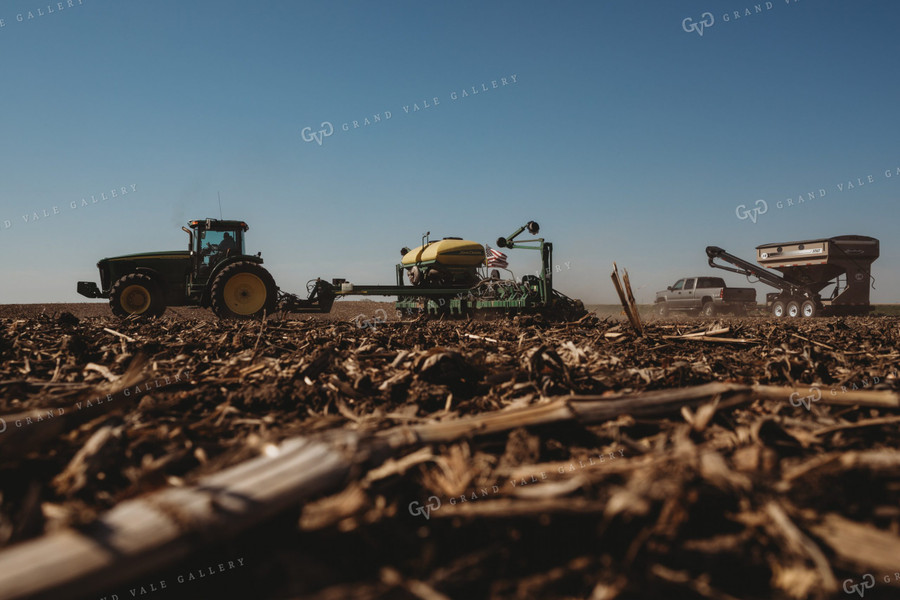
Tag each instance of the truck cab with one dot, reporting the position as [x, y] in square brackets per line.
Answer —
[681, 292]
[706, 295]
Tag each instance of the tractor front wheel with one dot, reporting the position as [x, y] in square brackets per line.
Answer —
[136, 294]
[243, 290]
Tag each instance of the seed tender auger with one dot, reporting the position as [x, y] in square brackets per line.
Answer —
[808, 267]
[443, 278]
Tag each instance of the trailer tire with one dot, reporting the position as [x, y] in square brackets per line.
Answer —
[793, 309]
[243, 290]
[809, 309]
[662, 309]
[708, 309]
[136, 294]
[778, 310]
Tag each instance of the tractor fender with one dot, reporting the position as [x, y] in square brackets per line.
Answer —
[205, 299]
[155, 275]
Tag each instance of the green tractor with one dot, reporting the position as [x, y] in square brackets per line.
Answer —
[213, 272]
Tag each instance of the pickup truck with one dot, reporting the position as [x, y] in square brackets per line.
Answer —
[707, 295]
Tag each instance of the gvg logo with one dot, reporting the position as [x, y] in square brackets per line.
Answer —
[706, 20]
[815, 394]
[867, 583]
[416, 509]
[362, 322]
[308, 135]
[743, 213]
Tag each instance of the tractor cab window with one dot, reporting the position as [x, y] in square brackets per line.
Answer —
[216, 245]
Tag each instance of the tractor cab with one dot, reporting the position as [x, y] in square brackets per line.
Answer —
[212, 240]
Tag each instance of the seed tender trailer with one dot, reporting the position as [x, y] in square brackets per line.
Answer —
[808, 267]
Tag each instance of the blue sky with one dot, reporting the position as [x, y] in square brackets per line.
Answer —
[627, 137]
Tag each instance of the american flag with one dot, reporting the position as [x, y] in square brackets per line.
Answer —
[495, 258]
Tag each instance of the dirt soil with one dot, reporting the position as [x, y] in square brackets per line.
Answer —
[752, 501]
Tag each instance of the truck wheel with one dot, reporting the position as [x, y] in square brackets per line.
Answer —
[809, 309]
[778, 309]
[708, 309]
[793, 309]
[243, 290]
[662, 308]
[136, 294]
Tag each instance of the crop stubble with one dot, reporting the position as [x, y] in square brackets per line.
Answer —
[766, 499]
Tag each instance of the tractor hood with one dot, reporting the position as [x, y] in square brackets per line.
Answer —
[172, 265]
[170, 254]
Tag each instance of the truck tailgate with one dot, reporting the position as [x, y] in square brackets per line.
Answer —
[739, 295]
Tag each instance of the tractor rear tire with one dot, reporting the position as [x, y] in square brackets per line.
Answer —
[136, 294]
[243, 290]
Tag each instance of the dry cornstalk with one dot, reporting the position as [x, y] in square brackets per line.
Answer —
[625, 306]
[632, 303]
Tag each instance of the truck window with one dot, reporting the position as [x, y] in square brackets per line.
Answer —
[689, 284]
[710, 282]
[678, 285]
